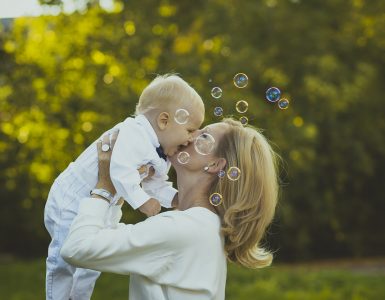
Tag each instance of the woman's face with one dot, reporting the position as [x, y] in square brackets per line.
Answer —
[197, 161]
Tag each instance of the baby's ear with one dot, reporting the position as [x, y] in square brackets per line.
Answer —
[163, 120]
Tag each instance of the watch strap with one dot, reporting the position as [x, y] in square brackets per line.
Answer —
[103, 193]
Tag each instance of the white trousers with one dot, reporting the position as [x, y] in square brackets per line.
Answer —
[64, 281]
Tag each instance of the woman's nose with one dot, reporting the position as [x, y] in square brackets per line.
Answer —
[196, 133]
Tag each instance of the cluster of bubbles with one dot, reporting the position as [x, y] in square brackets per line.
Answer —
[273, 95]
[233, 174]
[204, 144]
[240, 81]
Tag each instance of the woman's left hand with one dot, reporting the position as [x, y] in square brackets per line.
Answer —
[104, 159]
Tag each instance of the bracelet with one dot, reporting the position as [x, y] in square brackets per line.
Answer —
[103, 193]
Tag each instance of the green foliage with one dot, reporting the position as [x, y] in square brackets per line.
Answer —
[65, 79]
[25, 280]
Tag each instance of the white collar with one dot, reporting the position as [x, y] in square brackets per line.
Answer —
[142, 120]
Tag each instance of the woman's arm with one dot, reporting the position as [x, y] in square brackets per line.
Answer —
[145, 248]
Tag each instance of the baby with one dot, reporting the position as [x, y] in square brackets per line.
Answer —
[167, 114]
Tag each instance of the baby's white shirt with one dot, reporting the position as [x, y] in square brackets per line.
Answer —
[135, 146]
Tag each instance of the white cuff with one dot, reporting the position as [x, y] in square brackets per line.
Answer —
[166, 195]
[137, 198]
[93, 207]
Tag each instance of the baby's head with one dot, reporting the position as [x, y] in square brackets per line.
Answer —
[161, 100]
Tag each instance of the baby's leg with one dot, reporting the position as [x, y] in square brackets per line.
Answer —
[60, 210]
[59, 274]
[83, 284]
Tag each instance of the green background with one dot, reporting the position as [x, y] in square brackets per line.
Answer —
[65, 79]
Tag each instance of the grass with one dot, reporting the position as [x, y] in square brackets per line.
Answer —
[24, 280]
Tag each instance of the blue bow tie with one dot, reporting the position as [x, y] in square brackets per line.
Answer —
[160, 152]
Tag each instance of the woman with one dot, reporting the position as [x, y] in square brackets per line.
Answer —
[182, 254]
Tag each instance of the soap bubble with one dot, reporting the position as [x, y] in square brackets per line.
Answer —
[216, 92]
[242, 106]
[221, 174]
[215, 199]
[183, 157]
[244, 120]
[283, 103]
[181, 116]
[273, 94]
[204, 144]
[241, 80]
[218, 111]
[233, 173]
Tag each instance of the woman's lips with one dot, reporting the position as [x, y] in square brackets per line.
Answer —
[181, 148]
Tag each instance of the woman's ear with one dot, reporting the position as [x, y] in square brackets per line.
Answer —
[216, 166]
[163, 120]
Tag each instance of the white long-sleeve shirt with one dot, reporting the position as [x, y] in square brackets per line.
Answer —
[135, 146]
[174, 255]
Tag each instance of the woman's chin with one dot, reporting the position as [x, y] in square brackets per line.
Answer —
[173, 158]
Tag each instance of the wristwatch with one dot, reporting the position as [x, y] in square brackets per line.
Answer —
[103, 193]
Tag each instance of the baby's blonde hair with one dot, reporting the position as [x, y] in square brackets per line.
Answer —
[249, 203]
[167, 92]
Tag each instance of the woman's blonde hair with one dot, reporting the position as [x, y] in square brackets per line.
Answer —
[249, 203]
[169, 92]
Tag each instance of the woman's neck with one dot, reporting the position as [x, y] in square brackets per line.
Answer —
[192, 192]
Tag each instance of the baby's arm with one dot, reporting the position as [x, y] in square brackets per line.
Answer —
[129, 153]
[158, 186]
[152, 206]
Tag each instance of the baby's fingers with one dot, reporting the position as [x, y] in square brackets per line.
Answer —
[151, 172]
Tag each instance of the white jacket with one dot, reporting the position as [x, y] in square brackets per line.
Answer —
[174, 255]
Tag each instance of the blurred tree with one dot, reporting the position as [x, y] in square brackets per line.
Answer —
[65, 79]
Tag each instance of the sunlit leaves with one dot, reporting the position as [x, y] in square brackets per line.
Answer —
[65, 79]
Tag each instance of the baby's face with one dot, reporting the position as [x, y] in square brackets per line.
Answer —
[177, 135]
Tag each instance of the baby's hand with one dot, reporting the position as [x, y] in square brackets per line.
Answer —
[147, 171]
[150, 208]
